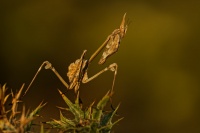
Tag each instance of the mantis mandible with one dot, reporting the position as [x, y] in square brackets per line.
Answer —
[77, 71]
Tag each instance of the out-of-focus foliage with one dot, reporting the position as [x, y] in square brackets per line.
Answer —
[15, 120]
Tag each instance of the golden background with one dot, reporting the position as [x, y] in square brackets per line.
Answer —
[158, 81]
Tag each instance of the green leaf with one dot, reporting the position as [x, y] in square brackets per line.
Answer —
[107, 119]
[88, 112]
[97, 112]
[102, 103]
[74, 108]
[67, 121]
[33, 114]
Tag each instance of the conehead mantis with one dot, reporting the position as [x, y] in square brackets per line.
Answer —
[77, 71]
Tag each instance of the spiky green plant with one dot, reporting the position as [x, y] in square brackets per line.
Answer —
[12, 120]
[91, 120]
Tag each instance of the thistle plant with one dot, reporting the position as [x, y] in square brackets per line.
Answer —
[12, 120]
[91, 120]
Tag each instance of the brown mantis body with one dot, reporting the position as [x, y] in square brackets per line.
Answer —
[77, 71]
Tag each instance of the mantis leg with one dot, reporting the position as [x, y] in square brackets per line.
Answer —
[112, 67]
[47, 65]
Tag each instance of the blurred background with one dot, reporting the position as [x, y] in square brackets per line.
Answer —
[159, 68]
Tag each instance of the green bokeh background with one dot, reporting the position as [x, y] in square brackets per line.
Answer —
[158, 81]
